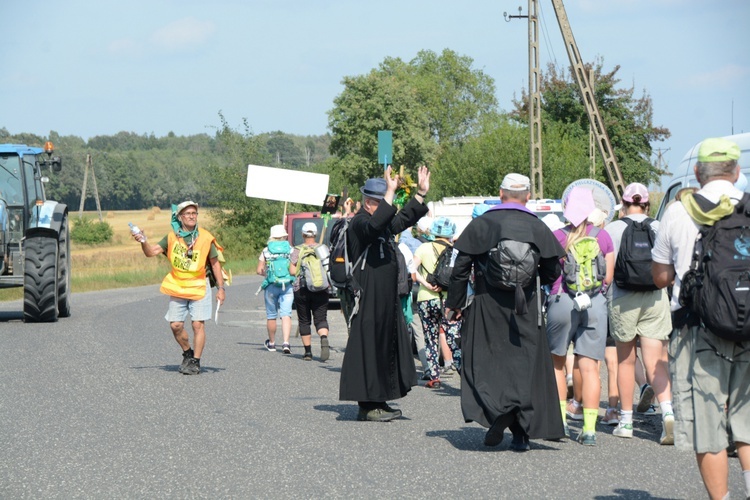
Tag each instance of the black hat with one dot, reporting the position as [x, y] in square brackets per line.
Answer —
[374, 188]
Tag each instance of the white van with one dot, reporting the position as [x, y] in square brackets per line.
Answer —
[683, 176]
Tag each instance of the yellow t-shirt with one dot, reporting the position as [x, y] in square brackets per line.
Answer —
[428, 260]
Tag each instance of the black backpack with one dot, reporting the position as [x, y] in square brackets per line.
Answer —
[633, 264]
[404, 276]
[717, 285]
[441, 275]
[339, 267]
[512, 266]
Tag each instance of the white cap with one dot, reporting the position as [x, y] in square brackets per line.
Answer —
[309, 228]
[516, 182]
[278, 231]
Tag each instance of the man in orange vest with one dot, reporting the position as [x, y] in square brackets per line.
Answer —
[188, 250]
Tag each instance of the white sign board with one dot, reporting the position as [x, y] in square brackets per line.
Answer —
[286, 185]
[603, 197]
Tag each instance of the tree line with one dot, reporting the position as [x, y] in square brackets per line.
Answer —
[442, 111]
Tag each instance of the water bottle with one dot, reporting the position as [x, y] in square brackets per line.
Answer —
[135, 230]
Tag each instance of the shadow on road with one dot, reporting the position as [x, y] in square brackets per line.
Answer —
[174, 368]
[6, 316]
[629, 494]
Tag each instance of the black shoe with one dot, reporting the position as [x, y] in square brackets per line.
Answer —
[307, 356]
[186, 356]
[325, 351]
[494, 435]
[193, 367]
[376, 415]
[520, 443]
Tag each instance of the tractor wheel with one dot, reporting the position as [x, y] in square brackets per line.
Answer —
[63, 271]
[40, 279]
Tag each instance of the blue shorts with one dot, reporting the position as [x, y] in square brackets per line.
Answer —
[199, 310]
[279, 301]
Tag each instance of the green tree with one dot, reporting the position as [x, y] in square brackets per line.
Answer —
[431, 102]
[628, 119]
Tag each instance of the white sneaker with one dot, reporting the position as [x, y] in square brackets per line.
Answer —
[623, 430]
[667, 433]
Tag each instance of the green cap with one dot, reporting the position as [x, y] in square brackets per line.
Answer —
[718, 149]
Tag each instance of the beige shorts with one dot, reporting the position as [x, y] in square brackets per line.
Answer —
[645, 314]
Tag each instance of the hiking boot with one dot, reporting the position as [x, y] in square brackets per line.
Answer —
[325, 351]
[186, 355]
[587, 438]
[433, 384]
[395, 411]
[611, 417]
[376, 415]
[271, 347]
[623, 430]
[574, 411]
[307, 356]
[286, 348]
[496, 432]
[193, 367]
[647, 396]
[667, 433]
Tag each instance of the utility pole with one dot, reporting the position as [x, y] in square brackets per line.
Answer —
[592, 141]
[89, 165]
[535, 99]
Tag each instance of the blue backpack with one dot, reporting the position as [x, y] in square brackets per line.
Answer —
[277, 265]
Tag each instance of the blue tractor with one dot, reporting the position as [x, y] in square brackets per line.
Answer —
[34, 238]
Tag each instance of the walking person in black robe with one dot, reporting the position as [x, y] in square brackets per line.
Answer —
[378, 364]
[507, 376]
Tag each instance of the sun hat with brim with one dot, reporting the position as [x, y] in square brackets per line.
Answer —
[278, 231]
[182, 206]
[374, 188]
[424, 224]
[443, 227]
[716, 149]
[309, 228]
[578, 205]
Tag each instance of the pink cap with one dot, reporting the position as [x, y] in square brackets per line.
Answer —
[633, 189]
[578, 205]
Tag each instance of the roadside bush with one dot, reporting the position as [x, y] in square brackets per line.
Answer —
[91, 232]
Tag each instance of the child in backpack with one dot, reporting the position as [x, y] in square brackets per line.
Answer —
[279, 295]
[441, 335]
[311, 305]
[587, 329]
[639, 316]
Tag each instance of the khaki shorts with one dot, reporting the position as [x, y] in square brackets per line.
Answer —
[645, 314]
[720, 396]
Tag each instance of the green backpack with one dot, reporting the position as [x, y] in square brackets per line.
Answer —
[311, 270]
[277, 265]
[584, 267]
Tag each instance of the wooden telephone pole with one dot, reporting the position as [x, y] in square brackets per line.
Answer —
[89, 166]
[535, 99]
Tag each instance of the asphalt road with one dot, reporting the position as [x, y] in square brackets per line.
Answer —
[93, 407]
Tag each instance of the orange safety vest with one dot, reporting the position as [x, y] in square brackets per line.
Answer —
[187, 280]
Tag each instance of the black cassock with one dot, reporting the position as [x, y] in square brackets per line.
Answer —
[378, 363]
[507, 365]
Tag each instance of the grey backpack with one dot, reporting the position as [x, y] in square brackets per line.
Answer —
[513, 265]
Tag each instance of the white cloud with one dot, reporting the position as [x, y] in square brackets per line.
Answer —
[183, 33]
[725, 76]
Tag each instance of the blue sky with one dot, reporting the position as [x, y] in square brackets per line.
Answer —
[97, 67]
